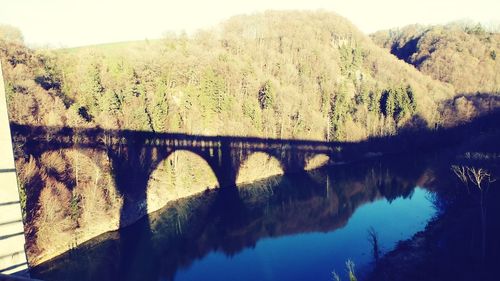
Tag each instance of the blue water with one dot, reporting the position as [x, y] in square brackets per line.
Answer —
[300, 227]
[313, 256]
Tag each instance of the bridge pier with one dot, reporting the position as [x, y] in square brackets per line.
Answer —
[132, 165]
[12, 240]
[294, 162]
[226, 166]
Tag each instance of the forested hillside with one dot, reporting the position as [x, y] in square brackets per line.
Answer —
[298, 75]
[463, 55]
[278, 74]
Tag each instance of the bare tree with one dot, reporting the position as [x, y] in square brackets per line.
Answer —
[335, 276]
[461, 173]
[478, 177]
[350, 270]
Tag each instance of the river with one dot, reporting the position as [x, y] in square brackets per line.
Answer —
[296, 227]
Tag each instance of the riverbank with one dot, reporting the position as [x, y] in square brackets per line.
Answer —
[460, 243]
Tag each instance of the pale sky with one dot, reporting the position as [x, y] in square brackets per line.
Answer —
[67, 23]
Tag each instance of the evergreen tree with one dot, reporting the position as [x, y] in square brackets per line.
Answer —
[398, 102]
[338, 110]
[266, 95]
[92, 88]
[213, 89]
[374, 101]
[362, 95]
[160, 109]
[110, 102]
[387, 103]
[412, 98]
[401, 104]
[345, 60]
[351, 60]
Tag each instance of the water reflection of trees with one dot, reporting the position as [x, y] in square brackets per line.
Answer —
[462, 242]
[230, 221]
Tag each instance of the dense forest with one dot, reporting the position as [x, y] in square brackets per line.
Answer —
[289, 75]
[462, 54]
[279, 74]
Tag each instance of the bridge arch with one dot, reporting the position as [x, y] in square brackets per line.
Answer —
[180, 174]
[316, 161]
[258, 165]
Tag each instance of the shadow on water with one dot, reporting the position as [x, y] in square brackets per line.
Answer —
[231, 220]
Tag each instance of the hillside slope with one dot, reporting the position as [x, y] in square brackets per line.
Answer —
[307, 75]
[462, 55]
[277, 74]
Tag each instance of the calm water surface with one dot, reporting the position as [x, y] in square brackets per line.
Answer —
[299, 227]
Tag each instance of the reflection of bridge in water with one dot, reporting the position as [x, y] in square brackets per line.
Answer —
[187, 230]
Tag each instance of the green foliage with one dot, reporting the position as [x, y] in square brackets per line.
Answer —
[49, 77]
[160, 109]
[266, 95]
[324, 95]
[135, 104]
[110, 102]
[22, 197]
[213, 90]
[251, 110]
[493, 55]
[363, 95]
[351, 60]
[388, 102]
[411, 99]
[374, 101]
[75, 206]
[398, 102]
[224, 83]
[9, 91]
[339, 107]
[92, 88]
